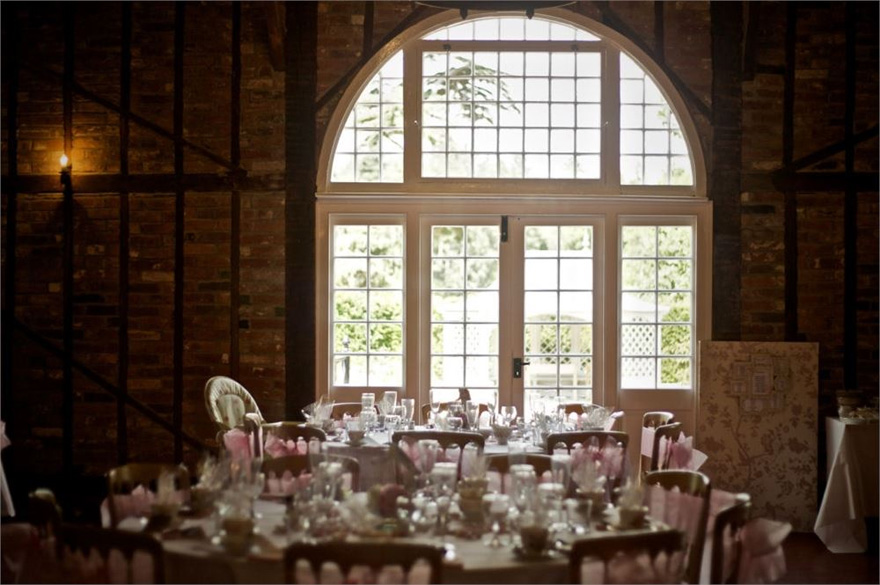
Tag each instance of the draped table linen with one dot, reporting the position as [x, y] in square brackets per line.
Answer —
[852, 490]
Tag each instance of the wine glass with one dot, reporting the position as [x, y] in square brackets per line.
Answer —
[409, 407]
[508, 414]
[471, 411]
[435, 403]
[560, 468]
[495, 507]
[443, 477]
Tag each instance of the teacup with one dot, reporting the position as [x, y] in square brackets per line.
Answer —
[355, 437]
[534, 539]
[633, 517]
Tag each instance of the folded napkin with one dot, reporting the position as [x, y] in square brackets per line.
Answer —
[278, 447]
[137, 503]
[609, 456]
[682, 454]
[239, 444]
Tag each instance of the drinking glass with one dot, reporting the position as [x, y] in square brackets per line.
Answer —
[368, 401]
[443, 477]
[390, 400]
[471, 411]
[435, 403]
[409, 406]
[495, 507]
[508, 414]
[560, 468]
[427, 449]
[454, 422]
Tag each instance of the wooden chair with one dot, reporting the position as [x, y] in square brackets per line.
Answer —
[572, 438]
[692, 483]
[104, 540]
[121, 481]
[292, 430]
[655, 418]
[501, 463]
[340, 409]
[297, 464]
[374, 555]
[446, 439]
[668, 431]
[44, 513]
[426, 409]
[578, 408]
[728, 528]
[228, 402]
[618, 549]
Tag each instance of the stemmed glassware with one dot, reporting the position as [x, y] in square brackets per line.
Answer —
[508, 414]
[427, 450]
[409, 409]
[435, 405]
[495, 507]
[443, 477]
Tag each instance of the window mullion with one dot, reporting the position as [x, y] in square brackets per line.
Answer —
[412, 114]
[611, 118]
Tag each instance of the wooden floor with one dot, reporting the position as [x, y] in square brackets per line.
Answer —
[808, 561]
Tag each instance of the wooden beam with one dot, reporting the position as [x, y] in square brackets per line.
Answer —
[235, 199]
[11, 73]
[805, 182]
[275, 23]
[179, 228]
[414, 16]
[124, 234]
[791, 199]
[300, 83]
[610, 18]
[659, 31]
[850, 140]
[850, 214]
[752, 20]
[68, 11]
[724, 185]
[39, 69]
[143, 184]
[96, 378]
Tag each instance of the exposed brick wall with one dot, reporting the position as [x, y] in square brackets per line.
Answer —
[687, 52]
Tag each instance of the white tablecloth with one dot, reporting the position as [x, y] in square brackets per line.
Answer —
[852, 490]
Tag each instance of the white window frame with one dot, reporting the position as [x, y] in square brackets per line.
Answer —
[605, 200]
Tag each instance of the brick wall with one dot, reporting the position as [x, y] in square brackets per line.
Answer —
[686, 50]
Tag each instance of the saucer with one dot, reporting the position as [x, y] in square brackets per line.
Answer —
[544, 555]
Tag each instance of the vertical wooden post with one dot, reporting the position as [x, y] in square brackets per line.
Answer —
[850, 213]
[235, 211]
[124, 233]
[179, 231]
[300, 85]
[791, 198]
[67, 260]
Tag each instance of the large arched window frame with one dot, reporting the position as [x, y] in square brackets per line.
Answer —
[606, 206]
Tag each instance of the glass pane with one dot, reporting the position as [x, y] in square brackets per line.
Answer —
[447, 306]
[540, 339]
[386, 370]
[675, 340]
[447, 371]
[674, 274]
[482, 339]
[542, 371]
[350, 240]
[483, 240]
[576, 339]
[675, 373]
[350, 273]
[638, 373]
[575, 306]
[350, 370]
[576, 372]
[639, 241]
[386, 338]
[482, 274]
[446, 339]
[385, 305]
[482, 307]
[481, 371]
[447, 274]
[674, 307]
[576, 241]
[540, 274]
[675, 241]
[447, 240]
[386, 273]
[638, 340]
[576, 274]
[350, 306]
[638, 307]
[639, 274]
[349, 338]
[541, 240]
[540, 306]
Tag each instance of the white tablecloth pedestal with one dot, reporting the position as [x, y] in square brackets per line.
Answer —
[851, 493]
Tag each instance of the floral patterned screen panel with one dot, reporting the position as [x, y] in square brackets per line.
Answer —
[757, 423]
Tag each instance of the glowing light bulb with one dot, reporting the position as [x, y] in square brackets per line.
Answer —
[64, 161]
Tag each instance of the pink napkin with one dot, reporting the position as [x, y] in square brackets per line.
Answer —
[277, 447]
[137, 503]
[609, 456]
[412, 451]
[676, 509]
[682, 454]
[635, 568]
[239, 444]
[287, 484]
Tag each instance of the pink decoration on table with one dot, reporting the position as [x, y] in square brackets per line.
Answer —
[277, 447]
[239, 444]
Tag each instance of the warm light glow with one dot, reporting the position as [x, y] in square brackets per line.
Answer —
[64, 161]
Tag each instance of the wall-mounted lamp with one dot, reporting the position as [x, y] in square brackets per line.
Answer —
[66, 168]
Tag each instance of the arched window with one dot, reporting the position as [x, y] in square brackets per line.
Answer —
[505, 188]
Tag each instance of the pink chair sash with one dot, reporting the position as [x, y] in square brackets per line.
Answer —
[278, 447]
[420, 573]
[610, 457]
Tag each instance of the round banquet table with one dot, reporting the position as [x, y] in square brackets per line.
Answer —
[194, 560]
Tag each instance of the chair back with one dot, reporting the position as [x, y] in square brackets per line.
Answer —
[620, 556]
[44, 513]
[500, 463]
[695, 521]
[86, 539]
[572, 438]
[726, 540]
[655, 418]
[670, 432]
[446, 439]
[426, 409]
[340, 409]
[405, 471]
[295, 464]
[123, 480]
[228, 402]
[375, 555]
[292, 430]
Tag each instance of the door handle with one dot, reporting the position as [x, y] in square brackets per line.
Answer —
[518, 364]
